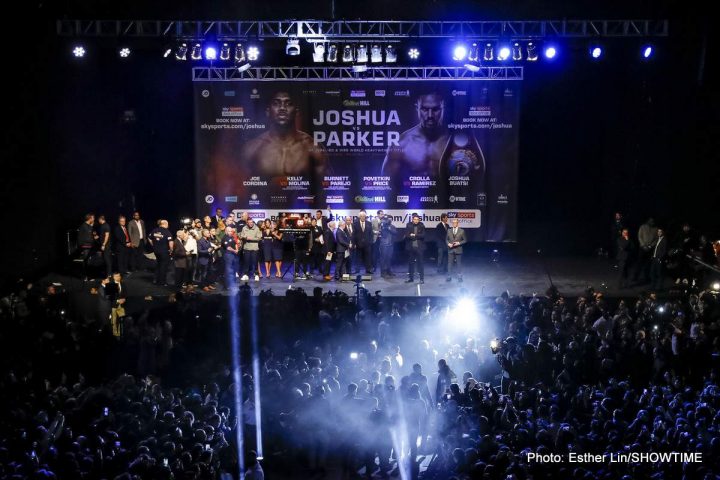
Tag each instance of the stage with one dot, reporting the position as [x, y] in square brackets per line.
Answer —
[482, 278]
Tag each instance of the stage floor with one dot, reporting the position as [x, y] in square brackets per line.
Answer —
[571, 275]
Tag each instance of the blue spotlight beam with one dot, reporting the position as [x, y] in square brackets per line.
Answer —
[235, 334]
[256, 373]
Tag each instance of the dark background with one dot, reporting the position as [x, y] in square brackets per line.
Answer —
[595, 137]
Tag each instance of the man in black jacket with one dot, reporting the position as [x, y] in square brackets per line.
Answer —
[415, 244]
[659, 252]
[342, 251]
[441, 230]
[85, 241]
[328, 249]
[122, 245]
[625, 253]
[363, 240]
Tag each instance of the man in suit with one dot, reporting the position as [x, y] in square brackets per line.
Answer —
[138, 237]
[85, 241]
[322, 221]
[342, 251]
[113, 290]
[376, 225]
[415, 245]
[122, 244]
[350, 262]
[455, 239]
[328, 248]
[363, 240]
[218, 219]
[625, 251]
[659, 252]
[205, 254]
[441, 230]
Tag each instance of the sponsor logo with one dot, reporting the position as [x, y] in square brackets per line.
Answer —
[454, 199]
[233, 112]
[254, 199]
[357, 93]
[459, 93]
[309, 92]
[480, 111]
[254, 93]
[335, 199]
[366, 199]
[481, 199]
[402, 93]
[231, 199]
[432, 199]
[502, 199]
[229, 93]
[205, 93]
[307, 198]
[209, 199]
[465, 215]
[278, 199]
[379, 93]
[257, 215]
[255, 182]
[334, 93]
[356, 103]
[403, 199]
[508, 93]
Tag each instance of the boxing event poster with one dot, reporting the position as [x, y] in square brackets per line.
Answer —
[401, 146]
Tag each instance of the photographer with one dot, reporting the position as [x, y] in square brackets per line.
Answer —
[386, 235]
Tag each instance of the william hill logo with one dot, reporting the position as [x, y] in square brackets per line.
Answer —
[366, 199]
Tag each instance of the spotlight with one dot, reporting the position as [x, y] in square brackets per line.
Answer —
[473, 55]
[196, 52]
[78, 52]
[494, 344]
[225, 52]
[239, 53]
[413, 53]
[359, 68]
[489, 52]
[647, 51]
[472, 67]
[504, 53]
[550, 52]
[253, 53]
[362, 53]
[347, 55]
[596, 52]
[244, 67]
[211, 53]
[353, 355]
[376, 54]
[318, 52]
[390, 54]
[656, 327]
[532, 54]
[463, 316]
[716, 286]
[124, 52]
[516, 51]
[293, 47]
[167, 52]
[181, 52]
[460, 52]
[661, 309]
[332, 55]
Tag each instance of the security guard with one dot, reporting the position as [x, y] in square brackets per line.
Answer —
[162, 244]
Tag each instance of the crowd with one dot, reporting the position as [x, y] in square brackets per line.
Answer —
[359, 386]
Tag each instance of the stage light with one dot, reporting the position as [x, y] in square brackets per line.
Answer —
[167, 52]
[353, 355]
[647, 51]
[239, 53]
[473, 55]
[359, 68]
[656, 328]
[460, 52]
[293, 47]
[472, 67]
[225, 52]
[489, 52]
[362, 53]
[413, 53]
[550, 52]
[332, 55]
[716, 286]
[253, 53]
[516, 51]
[347, 55]
[494, 344]
[124, 52]
[390, 54]
[375, 53]
[244, 67]
[211, 53]
[596, 52]
[661, 309]
[532, 54]
[196, 52]
[318, 52]
[78, 52]
[181, 52]
[504, 53]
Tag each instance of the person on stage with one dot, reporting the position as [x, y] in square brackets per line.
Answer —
[205, 254]
[85, 241]
[103, 239]
[329, 248]
[386, 237]
[415, 245]
[283, 150]
[317, 238]
[250, 236]
[362, 235]
[122, 244]
[626, 250]
[343, 244]
[161, 241]
[231, 251]
[455, 240]
[441, 230]
[138, 236]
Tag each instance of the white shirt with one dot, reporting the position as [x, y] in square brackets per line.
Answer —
[191, 245]
[139, 226]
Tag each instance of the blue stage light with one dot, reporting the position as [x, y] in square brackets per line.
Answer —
[78, 52]
[460, 52]
[253, 53]
[124, 52]
[550, 52]
[504, 53]
[647, 51]
[413, 53]
[596, 52]
[210, 53]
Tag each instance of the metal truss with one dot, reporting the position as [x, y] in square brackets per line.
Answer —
[379, 30]
[210, 74]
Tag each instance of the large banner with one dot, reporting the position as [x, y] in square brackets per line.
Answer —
[401, 146]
